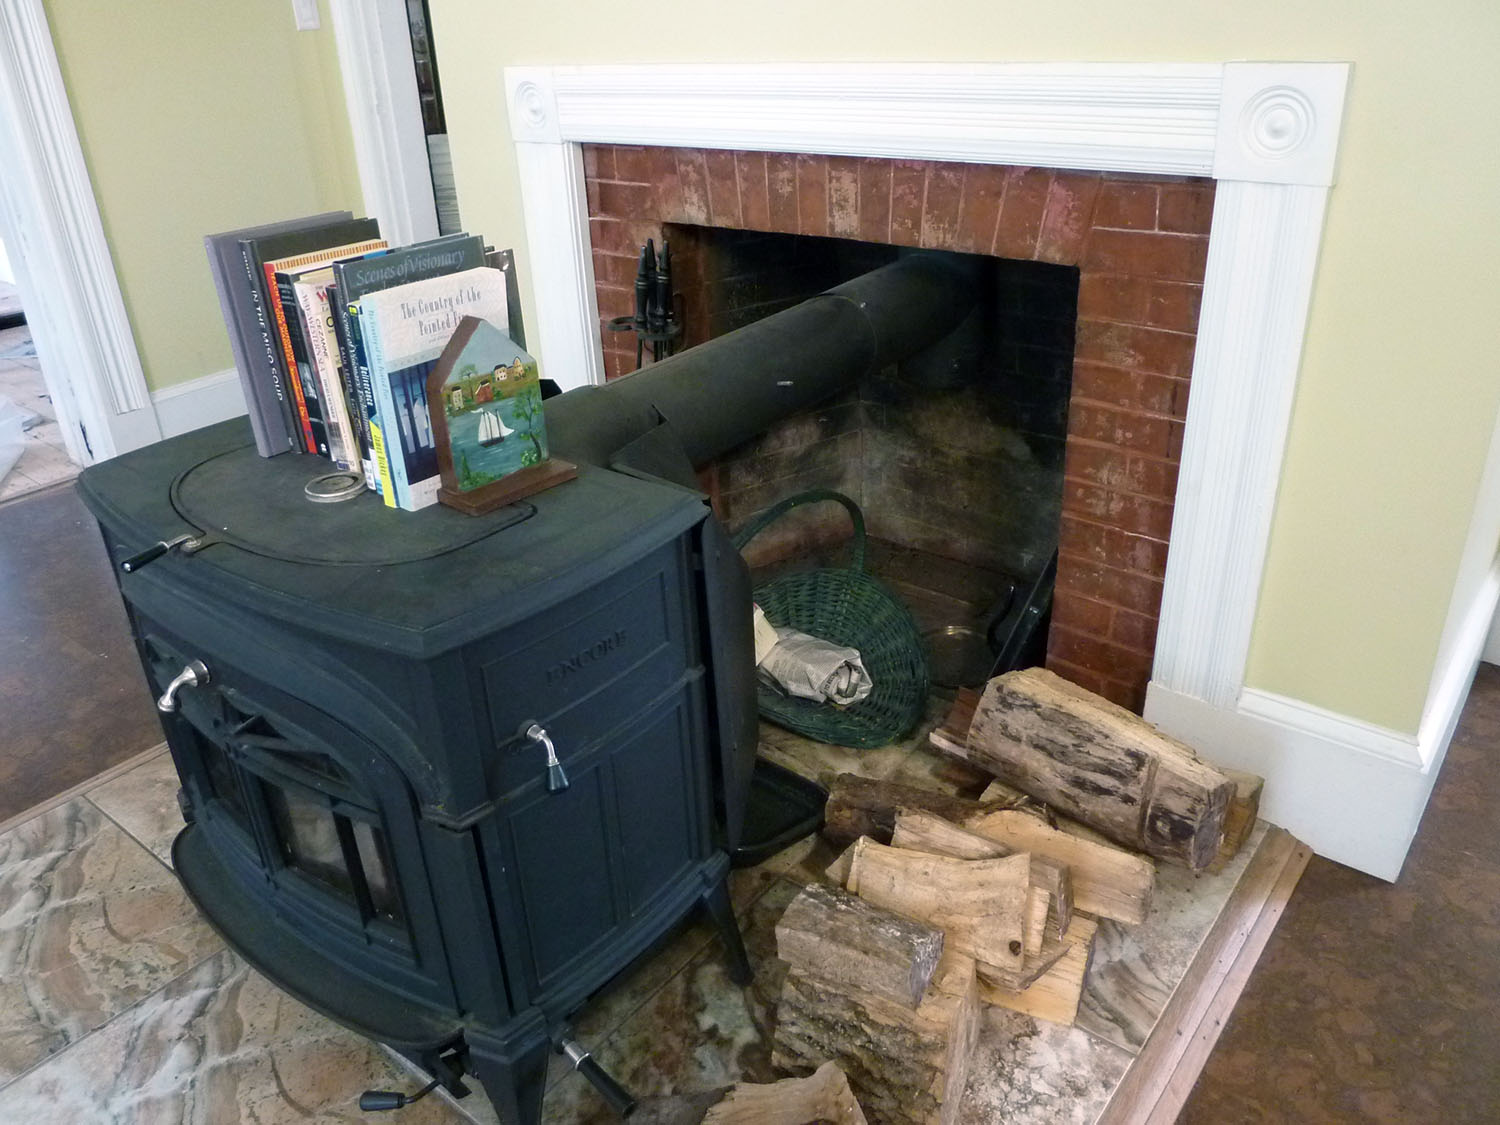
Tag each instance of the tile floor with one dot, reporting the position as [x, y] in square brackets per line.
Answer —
[45, 460]
[119, 1005]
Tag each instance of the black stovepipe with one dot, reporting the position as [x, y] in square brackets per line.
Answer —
[724, 392]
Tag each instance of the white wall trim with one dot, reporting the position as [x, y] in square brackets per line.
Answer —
[1453, 678]
[1358, 808]
[199, 402]
[380, 92]
[1261, 259]
[562, 262]
[1126, 118]
[1355, 734]
[1352, 791]
[63, 263]
[1491, 653]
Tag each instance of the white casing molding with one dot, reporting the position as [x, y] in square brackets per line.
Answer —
[385, 116]
[63, 264]
[1262, 253]
[199, 402]
[562, 276]
[1123, 118]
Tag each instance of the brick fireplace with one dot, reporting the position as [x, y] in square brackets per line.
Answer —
[1139, 244]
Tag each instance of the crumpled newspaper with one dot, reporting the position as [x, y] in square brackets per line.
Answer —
[811, 668]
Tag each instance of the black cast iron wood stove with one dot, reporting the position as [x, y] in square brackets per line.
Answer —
[363, 705]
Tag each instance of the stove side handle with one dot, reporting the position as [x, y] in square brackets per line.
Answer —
[729, 653]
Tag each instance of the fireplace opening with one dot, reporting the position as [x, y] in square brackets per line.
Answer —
[1140, 245]
[955, 455]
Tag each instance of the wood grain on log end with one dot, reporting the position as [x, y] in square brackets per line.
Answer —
[841, 938]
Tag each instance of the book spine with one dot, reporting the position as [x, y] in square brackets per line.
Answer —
[284, 304]
[385, 431]
[355, 355]
[270, 353]
[359, 423]
[312, 319]
[265, 415]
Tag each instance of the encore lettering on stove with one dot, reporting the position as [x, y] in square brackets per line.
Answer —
[586, 656]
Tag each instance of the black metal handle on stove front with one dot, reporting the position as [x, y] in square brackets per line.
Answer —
[620, 1099]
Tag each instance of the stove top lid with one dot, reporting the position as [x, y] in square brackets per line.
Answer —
[414, 582]
[258, 504]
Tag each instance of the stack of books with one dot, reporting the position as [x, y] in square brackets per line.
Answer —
[334, 333]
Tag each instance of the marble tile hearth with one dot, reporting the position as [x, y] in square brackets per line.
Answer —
[119, 1005]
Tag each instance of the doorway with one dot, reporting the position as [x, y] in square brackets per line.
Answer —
[33, 454]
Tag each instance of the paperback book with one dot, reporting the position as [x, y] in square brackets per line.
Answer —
[281, 276]
[405, 331]
[352, 281]
[254, 253]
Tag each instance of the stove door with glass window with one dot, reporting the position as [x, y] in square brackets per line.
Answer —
[311, 824]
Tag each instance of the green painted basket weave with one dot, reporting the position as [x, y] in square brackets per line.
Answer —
[850, 608]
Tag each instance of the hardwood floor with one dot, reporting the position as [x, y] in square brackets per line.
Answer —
[73, 699]
[1376, 1002]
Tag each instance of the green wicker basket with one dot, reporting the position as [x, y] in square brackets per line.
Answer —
[850, 608]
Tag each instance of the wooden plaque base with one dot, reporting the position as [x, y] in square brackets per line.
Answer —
[517, 486]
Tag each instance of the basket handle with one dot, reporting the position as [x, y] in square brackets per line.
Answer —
[776, 511]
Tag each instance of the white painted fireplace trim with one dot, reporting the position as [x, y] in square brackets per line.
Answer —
[1266, 132]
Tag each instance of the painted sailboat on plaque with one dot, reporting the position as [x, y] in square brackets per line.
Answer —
[492, 431]
[485, 400]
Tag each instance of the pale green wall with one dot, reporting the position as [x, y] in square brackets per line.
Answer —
[194, 118]
[1398, 389]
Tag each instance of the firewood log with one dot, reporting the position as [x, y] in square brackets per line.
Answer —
[863, 806]
[951, 736]
[906, 1066]
[1055, 994]
[980, 904]
[1098, 762]
[1239, 821]
[824, 1095]
[837, 872]
[844, 940]
[1105, 880]
[924, 832]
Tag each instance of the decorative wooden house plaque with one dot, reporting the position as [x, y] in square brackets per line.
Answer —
[485, 400]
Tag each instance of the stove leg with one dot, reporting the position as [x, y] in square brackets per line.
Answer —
[515, 1084]
[716, 901]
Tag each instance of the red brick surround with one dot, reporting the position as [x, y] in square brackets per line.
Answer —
[1140, 244]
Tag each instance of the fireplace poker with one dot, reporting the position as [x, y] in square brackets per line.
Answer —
[655, 320]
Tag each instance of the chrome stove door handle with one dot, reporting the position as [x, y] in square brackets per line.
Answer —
[193, 674]
[557, 779]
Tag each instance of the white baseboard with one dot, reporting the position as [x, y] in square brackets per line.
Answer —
[1352, 791]
[1491, 653]
[198, 402]
[1355, 734]
[1344, 802]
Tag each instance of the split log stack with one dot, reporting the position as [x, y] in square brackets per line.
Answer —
[892, 963]
[940, 905]
[866, 1001]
